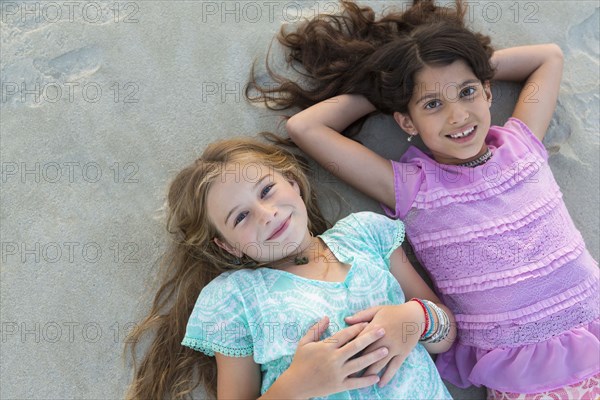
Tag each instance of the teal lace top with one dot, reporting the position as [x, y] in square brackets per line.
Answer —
[265, 312]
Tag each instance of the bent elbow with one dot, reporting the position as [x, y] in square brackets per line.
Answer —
[294, 127]
[556, 52]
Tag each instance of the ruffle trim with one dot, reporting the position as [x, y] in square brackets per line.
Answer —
[398, 238]
[516, 172]
[524, 216]
[534, 312]
[542, 267]
[560, 361]
[210, 349]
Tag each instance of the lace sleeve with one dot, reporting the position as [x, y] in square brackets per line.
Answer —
[218, 322]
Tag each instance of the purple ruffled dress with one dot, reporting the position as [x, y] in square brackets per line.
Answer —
[505, 256]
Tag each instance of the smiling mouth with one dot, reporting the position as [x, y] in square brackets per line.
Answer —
[280, 229]
[463, 134]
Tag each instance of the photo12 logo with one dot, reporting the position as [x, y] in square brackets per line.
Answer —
[253, 12]
[69, 11]
[65, 331]
[69, 92]
[69, 252]
[71, 172]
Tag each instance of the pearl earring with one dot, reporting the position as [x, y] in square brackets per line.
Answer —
[410, 136]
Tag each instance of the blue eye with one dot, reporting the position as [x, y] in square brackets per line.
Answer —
[469, 91]
[240, 218]
[266, 190]
[432, 104]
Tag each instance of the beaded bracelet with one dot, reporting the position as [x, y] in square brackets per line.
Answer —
[443, 326]
[432, 326]
[435, 335]
[446, 330]
[427, 318]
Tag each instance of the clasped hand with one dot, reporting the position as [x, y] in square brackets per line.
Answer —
[402, 334]
[324, 367]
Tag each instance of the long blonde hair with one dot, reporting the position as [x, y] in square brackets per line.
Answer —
[168, 369]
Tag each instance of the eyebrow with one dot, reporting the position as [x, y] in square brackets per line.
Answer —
[255, 186]
[434, 95]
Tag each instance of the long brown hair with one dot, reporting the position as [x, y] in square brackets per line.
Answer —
[168, 369]
[354, 52]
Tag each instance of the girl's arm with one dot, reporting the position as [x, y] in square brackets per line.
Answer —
[316, 131]
[540, 66]
[414, 286]
[237, 377]
[319, 367]
[403, 323]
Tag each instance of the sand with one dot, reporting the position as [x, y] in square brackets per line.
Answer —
[103, 102]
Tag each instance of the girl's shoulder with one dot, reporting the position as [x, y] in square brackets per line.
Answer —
[516, 136]
[221, 308]
[366, 231]
[229, 293]
[227, 278]
[229, 285]
[366, 219]
[363, 223]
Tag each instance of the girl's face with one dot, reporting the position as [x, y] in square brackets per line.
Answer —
[258, 212]
[450, 110]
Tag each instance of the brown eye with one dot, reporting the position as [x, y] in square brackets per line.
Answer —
[469, 91]
[432, 104]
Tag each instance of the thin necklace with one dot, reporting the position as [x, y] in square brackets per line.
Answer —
[299, 260]
[302, 260]
[479, 160]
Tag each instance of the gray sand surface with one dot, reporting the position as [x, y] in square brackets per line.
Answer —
[103, 102]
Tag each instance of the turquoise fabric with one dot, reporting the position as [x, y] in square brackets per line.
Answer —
[265, 312]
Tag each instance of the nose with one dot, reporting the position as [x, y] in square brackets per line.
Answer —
[457, 113]
[266, 213]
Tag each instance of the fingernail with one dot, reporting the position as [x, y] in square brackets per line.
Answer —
[380, 332]
[383, 351]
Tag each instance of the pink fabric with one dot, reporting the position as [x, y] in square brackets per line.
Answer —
[421, 182]
[588, 389]
[505, 256]
[569, 356]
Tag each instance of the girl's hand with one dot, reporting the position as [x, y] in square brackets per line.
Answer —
[403, 325]
[324, 367]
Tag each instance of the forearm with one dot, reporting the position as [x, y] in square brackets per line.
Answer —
[518, 63]
[336, 113]
[316, 131]
[284, 387]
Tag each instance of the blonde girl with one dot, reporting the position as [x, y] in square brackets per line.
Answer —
[253, 267]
